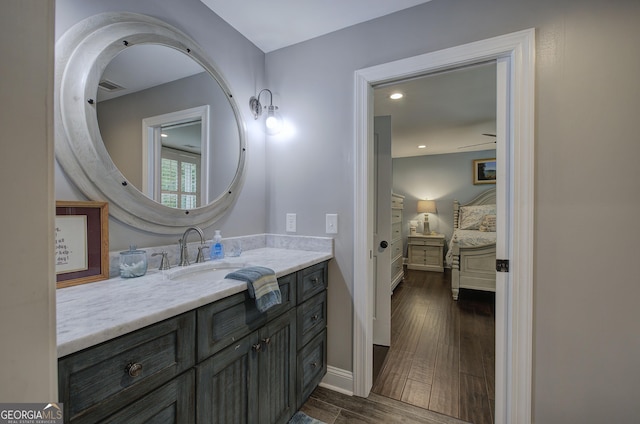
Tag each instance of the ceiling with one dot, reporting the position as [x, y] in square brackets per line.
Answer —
[262, 21]
[446, 113]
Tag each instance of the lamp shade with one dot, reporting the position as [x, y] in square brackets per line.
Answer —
[426, 206]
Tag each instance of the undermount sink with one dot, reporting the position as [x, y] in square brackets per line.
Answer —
[212, 271]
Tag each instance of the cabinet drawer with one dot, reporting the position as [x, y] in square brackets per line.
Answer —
[312, 281]
[396, 231]
[170, 404]
[95, 382]
[396, 215]
[432, 252]
[228, 320]
[415, 241]
[396, 267]
[397, 202]
[396, 249]
[312, 366]
[422, 255]
[312, 318]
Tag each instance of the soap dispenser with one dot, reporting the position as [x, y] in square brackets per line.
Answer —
[217, 250]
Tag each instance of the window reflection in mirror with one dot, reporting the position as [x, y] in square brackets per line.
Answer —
[180, 164]
[148, 81]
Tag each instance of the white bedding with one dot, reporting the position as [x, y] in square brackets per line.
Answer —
[470, 238]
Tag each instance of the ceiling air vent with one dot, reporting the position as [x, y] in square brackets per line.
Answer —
[109, 86]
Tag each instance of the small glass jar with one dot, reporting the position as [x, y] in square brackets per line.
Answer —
[133, 263]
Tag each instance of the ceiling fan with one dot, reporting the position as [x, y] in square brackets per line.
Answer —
[480, 144]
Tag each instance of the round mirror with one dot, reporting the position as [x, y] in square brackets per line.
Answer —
[165, 149]
[168, 125]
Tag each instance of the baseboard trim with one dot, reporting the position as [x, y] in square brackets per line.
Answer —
[338, 380]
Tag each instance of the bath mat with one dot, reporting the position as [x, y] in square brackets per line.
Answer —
[302, 418]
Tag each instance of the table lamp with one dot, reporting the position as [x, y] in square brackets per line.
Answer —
[426, 207]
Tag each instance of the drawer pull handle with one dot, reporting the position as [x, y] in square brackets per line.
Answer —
[134, 369]
[267, 340]
[314, 364]
[315, 317]
[257, 347]
[315, 280]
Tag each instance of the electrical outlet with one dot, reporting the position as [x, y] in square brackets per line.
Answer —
[332, 223]
[291, 222]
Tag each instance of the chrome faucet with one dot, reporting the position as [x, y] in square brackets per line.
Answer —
[184, 254]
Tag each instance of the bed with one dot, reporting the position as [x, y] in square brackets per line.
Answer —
[472, 250]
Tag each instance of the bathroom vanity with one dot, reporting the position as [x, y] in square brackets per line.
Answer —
[176, 346]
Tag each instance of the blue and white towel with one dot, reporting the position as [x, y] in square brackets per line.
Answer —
[262, 285]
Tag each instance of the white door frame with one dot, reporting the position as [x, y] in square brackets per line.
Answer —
[515, 55]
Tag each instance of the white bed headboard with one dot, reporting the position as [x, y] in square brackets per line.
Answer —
[485, 198]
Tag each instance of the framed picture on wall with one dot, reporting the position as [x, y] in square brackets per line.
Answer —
[81, 242]
[484, 171]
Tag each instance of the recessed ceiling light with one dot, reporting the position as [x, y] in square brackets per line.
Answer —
[396, 96]
[422, 146]
[164, 135]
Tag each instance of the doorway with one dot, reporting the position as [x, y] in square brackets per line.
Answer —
[441, 351]
[514, 54]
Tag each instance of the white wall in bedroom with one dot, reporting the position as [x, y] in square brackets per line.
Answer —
[443, 178]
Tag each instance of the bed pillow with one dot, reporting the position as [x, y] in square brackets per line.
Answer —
[471, 216]
[488, 224]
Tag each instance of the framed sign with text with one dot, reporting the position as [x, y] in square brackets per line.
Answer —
[81, 242]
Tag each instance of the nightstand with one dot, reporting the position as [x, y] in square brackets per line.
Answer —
[426, 253]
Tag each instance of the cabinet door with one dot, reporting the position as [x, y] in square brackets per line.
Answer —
[277, 361]
[169, 404]
[227, 384]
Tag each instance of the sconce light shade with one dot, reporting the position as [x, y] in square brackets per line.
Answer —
[427, 206]
[273, 121]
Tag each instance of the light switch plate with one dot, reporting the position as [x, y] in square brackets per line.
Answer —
[291, 222]
[332, 223]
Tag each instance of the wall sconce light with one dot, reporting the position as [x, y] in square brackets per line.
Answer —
[426, 207]
[273, 121]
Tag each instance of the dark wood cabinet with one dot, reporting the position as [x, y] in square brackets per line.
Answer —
[311, 329]
[222, 363]
[253, 380]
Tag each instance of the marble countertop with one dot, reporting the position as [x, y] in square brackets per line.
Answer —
[93, 313]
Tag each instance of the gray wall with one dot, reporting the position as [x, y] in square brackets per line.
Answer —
[241, 64]
[586, 342]
[443, 178]
[28, 368]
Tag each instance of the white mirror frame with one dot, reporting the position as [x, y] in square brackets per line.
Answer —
[82, 54]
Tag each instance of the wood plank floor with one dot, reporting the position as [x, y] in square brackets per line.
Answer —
[335, 408]
[442, 351]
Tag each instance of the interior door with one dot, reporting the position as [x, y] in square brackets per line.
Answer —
[382, 231]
